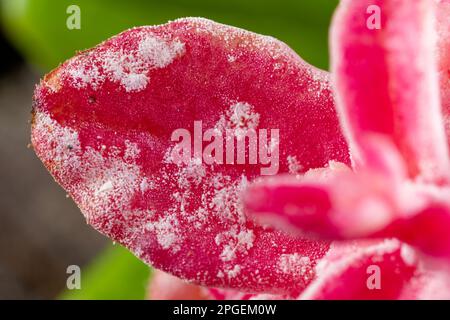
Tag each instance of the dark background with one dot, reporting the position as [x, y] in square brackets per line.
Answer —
[41, 232]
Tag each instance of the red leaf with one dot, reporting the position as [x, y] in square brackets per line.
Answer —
[103, 123]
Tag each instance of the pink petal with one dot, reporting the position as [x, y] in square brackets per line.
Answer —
[333, 202]
[431, 281]
[227, 294]
[386, 82]
[443, 22]
[103, 123]
[337, 203]
[370, 270]
[164, 286]
[342, 274]
[427, 230]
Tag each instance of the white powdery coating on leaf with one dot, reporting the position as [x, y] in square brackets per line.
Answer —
[108, 183]
[231, 58]
[146, 185]
[105, 187]
[232, 273]
[294, 166]
[243, 39]
[217, 200]
[239, 118]
[133, 81]
[320, 81]
[233, 242]
[158, 52]
[193, 172]
[166, 229]
[220, 196]
[132, 150]
[128, 67]
[82, 74]
[64, 141]
[225, 200]
[242, 115]
[295, 264]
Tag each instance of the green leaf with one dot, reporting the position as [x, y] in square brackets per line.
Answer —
[38, 27]
[115, 274]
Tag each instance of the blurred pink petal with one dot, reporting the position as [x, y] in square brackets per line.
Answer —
[386, 82]
[443, 30]
[164, 286]
[427, 230]
[329, 202]
[334, 201]
[350, 271]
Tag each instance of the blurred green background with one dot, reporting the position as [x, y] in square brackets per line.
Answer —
[37, 30]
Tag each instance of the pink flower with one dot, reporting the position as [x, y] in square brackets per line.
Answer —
[104, 123]
[386, 83]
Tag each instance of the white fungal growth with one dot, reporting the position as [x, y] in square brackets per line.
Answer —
[109, 183]
[193, 202]
[242, 116]
[102, 183]
[234, 242]
[166, 229]
[159, 53]
[82, 74]
[66, 146]
[294, 166]
[294, 263]
[193, 172]
[239, 118]
[232, 273]
[131, 150]
[231, 58]
[105, 187]
[129, 67]
[146, 185]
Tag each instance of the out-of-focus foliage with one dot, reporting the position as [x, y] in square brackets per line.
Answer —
[38, 29]
[115, 274]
